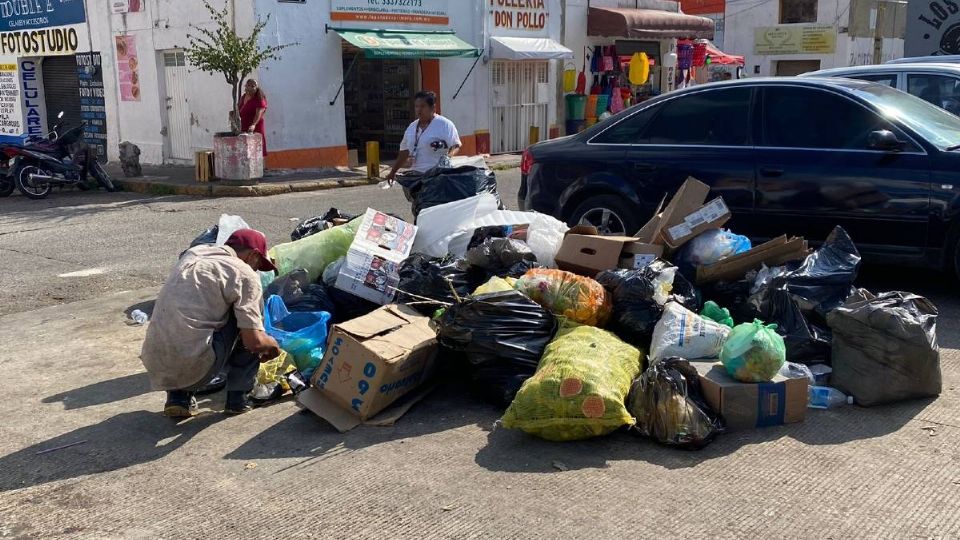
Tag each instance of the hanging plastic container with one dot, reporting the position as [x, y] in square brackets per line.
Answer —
[575, 106]
[569, 77]
[699, 54]
[603, 103]
[639, 68]
[684, 55]
[592, 106]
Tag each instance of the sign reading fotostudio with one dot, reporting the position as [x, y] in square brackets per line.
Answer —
[41, 27]
[933, 28]
[391, 11]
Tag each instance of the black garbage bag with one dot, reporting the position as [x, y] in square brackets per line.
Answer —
[316, 224]
[885, 347]
[443, 185]
[636, 308]
[825, 278]
[807, 343]
[299, 294]
[735, 296]
[208, 236]
[669, 406]
[503, 335]
[480, 235]
[348, 306]
[502, 257]
[423, 279]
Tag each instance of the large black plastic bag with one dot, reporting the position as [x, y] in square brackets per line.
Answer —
[443, 185]
[502, 257]
[299, 294]
[636, 295]
[423, 279]
[503, 335]
[885, 347]
[825, 278]
[316, 224]
[807, 343]
[208, 236]
[668, 403]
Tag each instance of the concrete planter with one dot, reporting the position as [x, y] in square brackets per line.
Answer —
[238, 159]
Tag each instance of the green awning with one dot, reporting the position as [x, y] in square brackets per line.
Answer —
[403, 44]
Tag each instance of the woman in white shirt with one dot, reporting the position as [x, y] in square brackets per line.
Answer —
[427, 139]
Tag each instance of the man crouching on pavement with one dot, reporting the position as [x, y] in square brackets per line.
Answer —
[213, 295]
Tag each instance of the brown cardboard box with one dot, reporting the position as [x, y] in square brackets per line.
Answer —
[370, 362]
[685, 217]
[753, 405]
[772, 253]
[585, 252]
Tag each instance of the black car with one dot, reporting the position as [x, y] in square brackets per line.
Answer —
[789, 156]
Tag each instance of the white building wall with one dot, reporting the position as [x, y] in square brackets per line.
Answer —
[162, 25]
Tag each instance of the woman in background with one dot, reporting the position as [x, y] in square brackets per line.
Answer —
[253, 105]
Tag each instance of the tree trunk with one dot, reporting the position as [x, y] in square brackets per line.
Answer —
[235, 121]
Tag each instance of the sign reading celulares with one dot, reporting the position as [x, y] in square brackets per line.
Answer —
[41, 27]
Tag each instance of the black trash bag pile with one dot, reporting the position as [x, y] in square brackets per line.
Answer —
[885, 347]
[480, 235]
[733, 295]
[348, 306]
[424, 278]
[299, 294]
[208, 236]
[443, 185]
[502, 257]
[503, 335]
[635, 311]
[807, 343]
[316, 224]
[669, 406]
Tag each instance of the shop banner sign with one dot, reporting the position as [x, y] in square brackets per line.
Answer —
[127, 68]
[391, 11]
[11, 114]
[126, 6]
[93, 108]
[16, 15]
[409, 44]
[795, 39]
[519, 15]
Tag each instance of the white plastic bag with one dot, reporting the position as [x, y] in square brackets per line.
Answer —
[682, 333]
[228, 225]
[438, 224]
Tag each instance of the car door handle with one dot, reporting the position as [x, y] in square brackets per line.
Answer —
[771, 172]
[644, 167]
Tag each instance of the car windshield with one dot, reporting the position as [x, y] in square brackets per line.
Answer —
[934, 124]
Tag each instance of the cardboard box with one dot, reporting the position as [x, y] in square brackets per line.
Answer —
[370, 362]
[370, 270]
[585, 252]
[752, 405]
[685, 217]
[775, 252]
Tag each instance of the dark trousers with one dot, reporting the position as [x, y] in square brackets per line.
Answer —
[241, 365]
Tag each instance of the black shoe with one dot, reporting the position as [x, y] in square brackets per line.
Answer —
[180, 404]
[237, 403]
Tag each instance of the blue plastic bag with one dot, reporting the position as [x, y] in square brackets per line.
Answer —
[710, 247]
[303, 334]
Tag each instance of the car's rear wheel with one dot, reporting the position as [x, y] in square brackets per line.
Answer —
[610, 214]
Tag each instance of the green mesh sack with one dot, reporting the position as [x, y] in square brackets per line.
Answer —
[753, 352]
[579, 388]
[316, 251]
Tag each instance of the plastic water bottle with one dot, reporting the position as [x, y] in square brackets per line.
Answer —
[825, 397]
[385, 184]
[139, 317]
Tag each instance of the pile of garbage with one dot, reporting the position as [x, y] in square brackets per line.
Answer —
[679, 333]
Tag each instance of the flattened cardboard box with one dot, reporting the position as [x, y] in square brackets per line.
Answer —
[685, 217]
[370, 362]
[585, 252]
[753, 405]
[772, 253]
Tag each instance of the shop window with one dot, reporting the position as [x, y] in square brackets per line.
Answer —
[716, 118]
[807, 118]
[798, 11]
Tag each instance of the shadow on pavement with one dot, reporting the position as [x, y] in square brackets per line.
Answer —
[124, 440]
[103, 392]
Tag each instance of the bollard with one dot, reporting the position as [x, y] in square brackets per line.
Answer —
[534, 135]
[373, 160]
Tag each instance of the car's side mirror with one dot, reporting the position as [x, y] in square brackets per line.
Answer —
[884, 140]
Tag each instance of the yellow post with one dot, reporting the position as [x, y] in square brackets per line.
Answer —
[534, 135]
[373, 160]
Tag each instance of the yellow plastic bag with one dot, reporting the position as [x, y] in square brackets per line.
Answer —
[273, 371]
[496, 284]
[579, 388]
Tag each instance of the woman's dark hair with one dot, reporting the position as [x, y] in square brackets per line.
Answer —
[429, 98]
[260, 93]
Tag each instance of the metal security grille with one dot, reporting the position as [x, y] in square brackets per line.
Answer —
[61, 90]
[179, 141]
[520, 100]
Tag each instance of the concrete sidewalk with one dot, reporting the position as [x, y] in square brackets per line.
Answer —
[181, 179]
[72, 377]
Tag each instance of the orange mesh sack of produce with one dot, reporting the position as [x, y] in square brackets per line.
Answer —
[579, 388]
[577, 298]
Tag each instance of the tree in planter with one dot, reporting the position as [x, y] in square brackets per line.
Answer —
[221, 50]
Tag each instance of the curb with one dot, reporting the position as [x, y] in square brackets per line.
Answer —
[215, 189]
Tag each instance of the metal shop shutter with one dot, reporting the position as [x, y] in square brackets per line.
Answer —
[61, 90]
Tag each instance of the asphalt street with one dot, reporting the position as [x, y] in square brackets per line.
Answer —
[84, 452]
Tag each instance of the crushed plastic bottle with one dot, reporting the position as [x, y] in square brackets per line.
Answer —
[825, 397]
[385, 184]
[139, 317]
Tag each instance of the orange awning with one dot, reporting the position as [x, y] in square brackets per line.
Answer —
[647, 24]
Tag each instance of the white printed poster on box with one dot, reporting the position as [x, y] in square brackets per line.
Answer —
[370, 270]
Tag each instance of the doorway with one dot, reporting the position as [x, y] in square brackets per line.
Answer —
[791, 68]
[521, 96]
[177, 140]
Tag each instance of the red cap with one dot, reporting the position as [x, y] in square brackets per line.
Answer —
[255, 240]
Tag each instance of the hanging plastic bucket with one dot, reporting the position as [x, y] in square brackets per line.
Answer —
[576, 105]
[592, 106]
[569, 78]
[603, 103]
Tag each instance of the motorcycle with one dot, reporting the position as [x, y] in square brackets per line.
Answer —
[60, 160]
